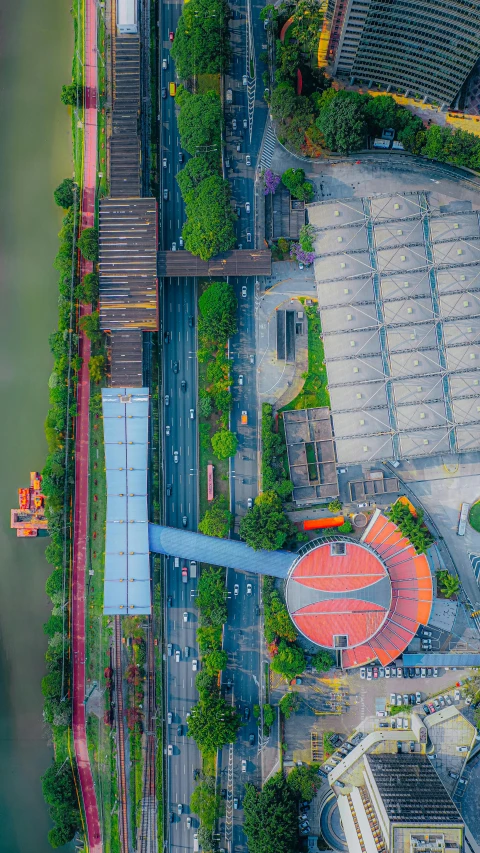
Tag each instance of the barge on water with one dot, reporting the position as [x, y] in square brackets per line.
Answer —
[30, 517]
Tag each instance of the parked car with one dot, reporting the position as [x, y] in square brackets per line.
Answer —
[387, 672]
[405, 699]
[393, 699]
[251, 739]
[362, 672]
[381, 672]
[375, 672]
[248, 160]
[369, 673]
[431, 707]
[424, 672]
[164, 63]
[429, 671]
[418, 698]
[456, 696]
[426, 709]
[435, 672]
[247, 207]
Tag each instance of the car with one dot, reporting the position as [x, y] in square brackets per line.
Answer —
[448, 700]
[417, 672]
[244, 765]
[329, 767]
[247, 207]
[399, 698]
[468, 700]
[171, 35]
[244, 80]
[180, 730]
[180, 157]
[452, 774]
[191, 321]
[399, 672]
[427, 633]
[456, 696]
[240, 379]
[174, 247]
[169, 601]
[436, 704]
[169, 649]
[322, 773]
[186, 652]
[189, 822]
[393, 723]
[249, 503]
[369, 673]
[411, 672]
[234, 123]
[382, 714]
[169, 489]
[180, 808]
[185, 616]
[405, 699]
[172, 817]
[252, 358]
[239, 146]
[184, 520]
[235, 802]
[178, 655]
[183, 385]
[426, 709]
[431, 755]
[399, 745]
[167, 429]
[431, 707]
[423, 672]
[245, 123]
[192, 414]
[387, 672]
[164, 162]
[249, 588]
[244, 291]
[249, 237]
[175, 366]
[429, 671]
[462, 748]
[175, 457]
[167, 399]
[435, 672]
[248, 160]
[169, 717]
[348, 746]
[236, 589]
[246, 713]
[412, 698]
[383, 725]
[393, 671]
[381, 672]
[251, 739]
[164, 63]
[442, 701]
[393, 699]
[418, 698]
[194, 665]
[164, 91]
[362, 672]
[405, 723]
[170, 749]
[375, 672]
[165, 194]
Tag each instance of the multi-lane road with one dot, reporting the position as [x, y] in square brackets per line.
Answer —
[179, 416]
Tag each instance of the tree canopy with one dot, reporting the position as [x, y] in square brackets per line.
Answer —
[200, 120]
[69, 95]
[202, 44]
[64, 194]
[211, 596]
[205, 802]
[265, 526]
[88, 244]
[343, 122]
[213, 723]
[218, 309]
[294, 181]
[217, 519]
[209, 229]
[271, 817]
[224, 443]
[289, 660]
[195, 171]
[87, 291]
[323, 660]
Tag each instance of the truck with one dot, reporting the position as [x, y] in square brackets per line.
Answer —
[184, 574]
[193, 568]
[244, 418]
[173, 89]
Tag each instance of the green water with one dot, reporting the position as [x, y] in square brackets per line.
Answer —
[35, 50]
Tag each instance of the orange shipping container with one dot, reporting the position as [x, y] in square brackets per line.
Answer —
[323, 523]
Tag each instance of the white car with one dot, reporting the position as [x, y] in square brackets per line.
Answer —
[164, 162]
[456, 695]
[244, 80]
[167, 429]
[393, 699]
[249, 588]
[180, 242]
[369, 673]
[177, 655]
[240, 379]
[244, 291]
[236, 589]
[175, 457]
[164, 64]
[174, 247]
[399, 671]
[249, 503]
[169, 718]
[248, 160]
[194, 665]
[169, 650]
[192, 414]
[247, 206]
[435, 672]
[170, 749]
[387, 672]
[244, 765]
[405, 723]
[234, 123]
[245, 122]
[362, 672]
[185, 616]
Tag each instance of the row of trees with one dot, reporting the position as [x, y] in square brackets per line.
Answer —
[209, 228]
[271, 815]
[202, 44]
[412, 526]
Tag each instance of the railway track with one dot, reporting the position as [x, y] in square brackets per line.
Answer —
[147, 834]
[120, 710]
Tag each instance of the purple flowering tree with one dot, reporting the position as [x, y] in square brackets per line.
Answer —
[303, 257]
[271, 182]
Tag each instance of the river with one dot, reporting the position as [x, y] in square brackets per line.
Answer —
[35, 59]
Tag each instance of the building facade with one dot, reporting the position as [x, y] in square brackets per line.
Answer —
[422, 48]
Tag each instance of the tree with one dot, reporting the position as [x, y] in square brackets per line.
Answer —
[289, 704]
[213, 723]
[218, 308]
[381, 113]
[64, 195]
[216, 661]
[217, 519]
[265, 525]
[90, 325]
[289, 660]
[271, 817]
[449, 584]
[88, 244]
[277, 619]
[323, 661]
[69, 95]
[335, 505]
[87, 291]
[307, 24]
[268, 716]
[195, 171]
[343, 123]
[206, 802]
[303, 781]
[200, 123]
[96, 366]
[224, 443]
[211, 596]
[58, 786]
[52, 685]
[209, 228]
[294, 181]
[54, 583]
[206, 684]
[204, 403]
[201, 43]
[346, 527]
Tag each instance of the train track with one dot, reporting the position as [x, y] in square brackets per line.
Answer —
[147, 835]
[120, 710]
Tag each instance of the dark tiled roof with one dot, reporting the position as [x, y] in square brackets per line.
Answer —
[411, 791]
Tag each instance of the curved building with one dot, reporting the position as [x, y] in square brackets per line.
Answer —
[366, 599]
[426, 48]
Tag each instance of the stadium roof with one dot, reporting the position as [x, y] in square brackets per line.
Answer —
[366, 598]
[398, 282]
[127, 560]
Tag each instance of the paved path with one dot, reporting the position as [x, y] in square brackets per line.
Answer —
[81, 450]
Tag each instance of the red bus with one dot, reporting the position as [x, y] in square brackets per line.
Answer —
[210, 482]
